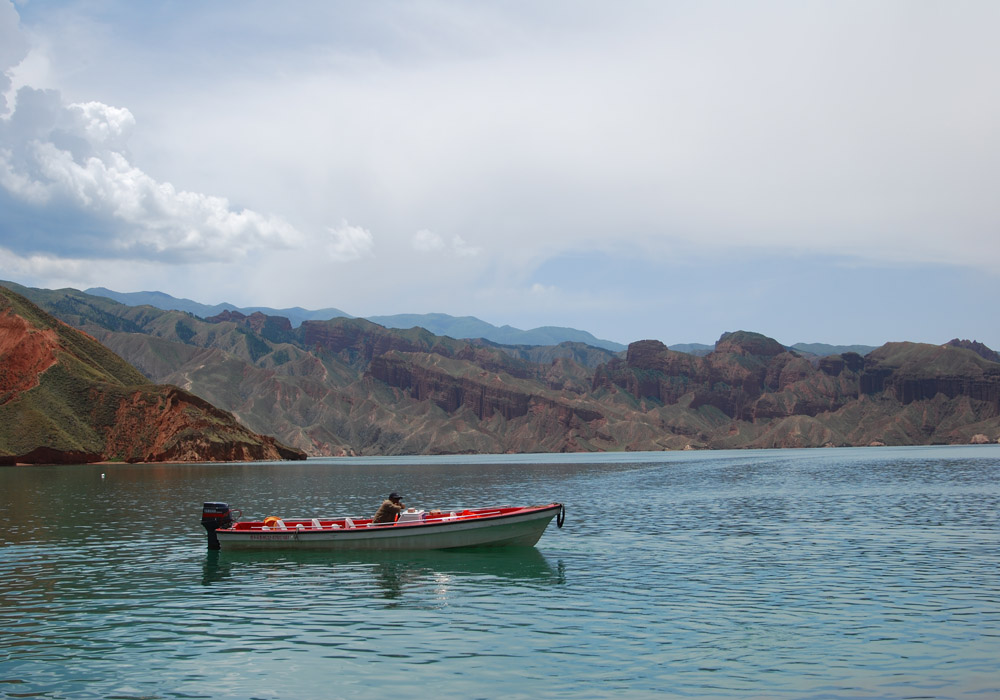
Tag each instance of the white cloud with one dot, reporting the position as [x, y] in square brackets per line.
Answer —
[50, 270]
[13, 49]
[463, 249]
[63, 163]
[152, 218]
[76, 157]
[427, 241]
[506, 136]
[104, 126]
[660, 125]
[20, 184]
[350, 243]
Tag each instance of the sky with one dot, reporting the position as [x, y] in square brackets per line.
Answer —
[819, 172]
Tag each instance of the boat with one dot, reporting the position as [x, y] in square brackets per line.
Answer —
[414, 529]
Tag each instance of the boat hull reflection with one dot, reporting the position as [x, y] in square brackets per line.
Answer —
[390, 572]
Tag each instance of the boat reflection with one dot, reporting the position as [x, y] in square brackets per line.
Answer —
[391, 572]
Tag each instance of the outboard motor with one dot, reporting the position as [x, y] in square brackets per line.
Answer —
[213, 517]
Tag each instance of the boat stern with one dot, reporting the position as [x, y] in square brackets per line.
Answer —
[215, 515]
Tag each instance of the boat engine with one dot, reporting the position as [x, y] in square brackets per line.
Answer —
[213, 517]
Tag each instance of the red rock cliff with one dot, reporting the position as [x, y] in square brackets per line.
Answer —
[66, 398]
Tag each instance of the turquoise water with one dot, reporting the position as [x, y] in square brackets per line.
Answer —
[842, 573]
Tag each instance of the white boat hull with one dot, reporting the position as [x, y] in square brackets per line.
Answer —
[521, 528]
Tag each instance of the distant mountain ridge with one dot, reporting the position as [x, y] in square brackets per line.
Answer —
[440, 324]
[349, 386]
[470, 327]
[460, 327]
[160, 300]
[823, 349]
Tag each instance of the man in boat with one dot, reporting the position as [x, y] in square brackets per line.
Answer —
[389, 510]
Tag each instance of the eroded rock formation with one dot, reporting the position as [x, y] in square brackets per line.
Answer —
[65, 398]
[348, 386]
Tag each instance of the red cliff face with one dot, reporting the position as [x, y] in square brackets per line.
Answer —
[493, 360]
[448, 392]
[174, 426]
[744, 343]
[653, 371]
[356, 340]
[747, 377]
[485, 395]
[25, 352]
[65, 398]
[269, 326]
[912, 372]
[834, 365]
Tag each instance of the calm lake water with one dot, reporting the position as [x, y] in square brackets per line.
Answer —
[839, 573]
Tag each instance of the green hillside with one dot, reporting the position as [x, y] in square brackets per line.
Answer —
[64, 396]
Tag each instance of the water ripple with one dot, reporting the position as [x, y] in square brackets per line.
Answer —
[800, 574]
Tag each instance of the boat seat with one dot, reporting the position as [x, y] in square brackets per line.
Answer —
[349, 523]
[317, 524]
[281, 525]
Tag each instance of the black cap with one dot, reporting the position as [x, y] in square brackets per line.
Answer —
[393, 496]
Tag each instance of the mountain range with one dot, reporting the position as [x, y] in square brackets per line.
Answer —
[463, 327]
[350, 386]
[439, 324]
